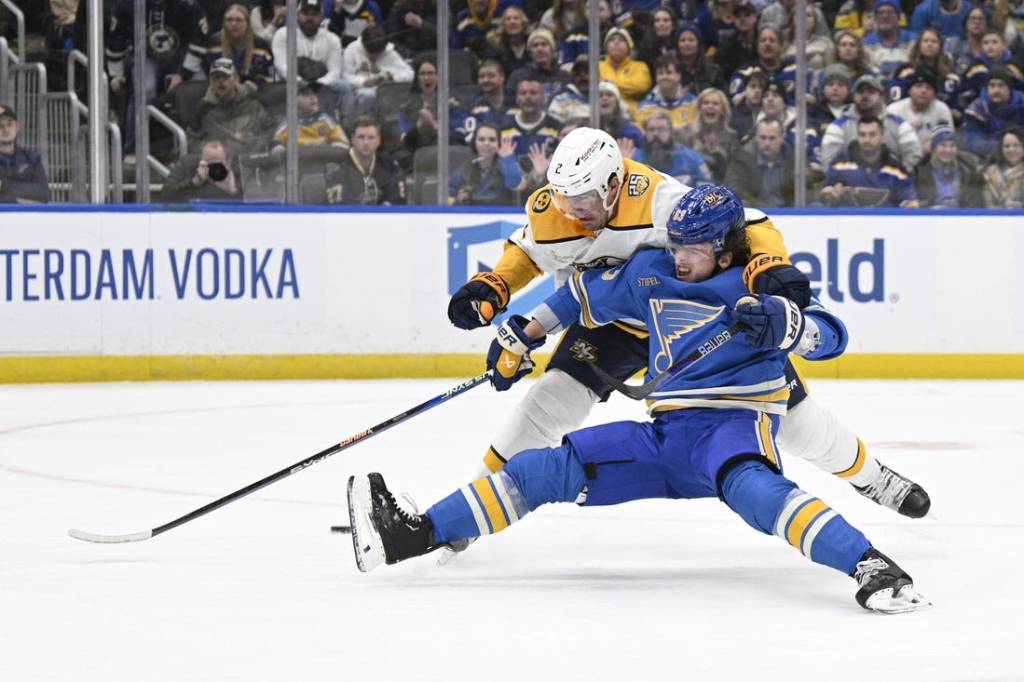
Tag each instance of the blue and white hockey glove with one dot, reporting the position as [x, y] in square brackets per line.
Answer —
[787, 281]
[771, 321]
[509, 354]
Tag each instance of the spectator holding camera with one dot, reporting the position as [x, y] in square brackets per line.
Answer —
[208, 177]
[492, 176]
[231, 113]
[22, 177]
[1004, 179]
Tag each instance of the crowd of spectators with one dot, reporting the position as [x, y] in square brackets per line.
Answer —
[909, 104]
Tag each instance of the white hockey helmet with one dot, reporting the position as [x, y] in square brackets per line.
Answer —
[585, 161]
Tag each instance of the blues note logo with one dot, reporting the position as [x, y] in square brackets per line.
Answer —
[673, 319]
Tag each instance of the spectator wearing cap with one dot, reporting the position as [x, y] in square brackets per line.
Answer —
[746, 113]
[318, 50]
[762, 170]
[630, 76]
[741, 47]
[993, 54]
[997, 108]
[370, 61]
[412, 25]
[946, 16]
[660, 151]
[867, 174]
[888, 45]
[949, 177]
[364, 176]
[22, 176]
[251, 55]
[921, 109]
[1004, 177]
[543, 66]
[927, 53]
[316, 128]
[669, 95]
[473, 23]
[835, 96]
[230, 113]
[698, 70]
[349, 18]
[899, 136]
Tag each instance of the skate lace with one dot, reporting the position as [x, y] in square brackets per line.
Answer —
[867, 570]
[889, 489]
[400, 507]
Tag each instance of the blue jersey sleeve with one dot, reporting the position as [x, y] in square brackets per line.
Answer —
[834, 336]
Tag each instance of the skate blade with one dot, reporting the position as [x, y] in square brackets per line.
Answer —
[905, 601]
[366, 543]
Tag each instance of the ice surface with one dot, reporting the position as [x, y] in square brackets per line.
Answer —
[261, 590]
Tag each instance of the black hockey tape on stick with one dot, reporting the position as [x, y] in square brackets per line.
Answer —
[286, 472]
[341, 529]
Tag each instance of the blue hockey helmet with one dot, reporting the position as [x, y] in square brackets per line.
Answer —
[705, 214]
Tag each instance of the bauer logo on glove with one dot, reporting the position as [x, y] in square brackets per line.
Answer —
[509, 355]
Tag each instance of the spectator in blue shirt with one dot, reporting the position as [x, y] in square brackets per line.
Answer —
[492, 176]
[22, 177]
[661, 152]
[867, 175]
[998, 107]
[945, 15]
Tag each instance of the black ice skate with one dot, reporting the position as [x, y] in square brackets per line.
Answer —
[897, 493]
[884, 586]
[382, 531]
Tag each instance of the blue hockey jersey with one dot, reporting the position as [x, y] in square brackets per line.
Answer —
[682, 317]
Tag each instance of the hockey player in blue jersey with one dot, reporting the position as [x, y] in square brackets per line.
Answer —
[714, 424]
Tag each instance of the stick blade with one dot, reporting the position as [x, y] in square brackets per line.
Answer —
[110, 539]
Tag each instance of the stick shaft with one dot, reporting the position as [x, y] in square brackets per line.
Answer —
[293, 469]
[324, 454]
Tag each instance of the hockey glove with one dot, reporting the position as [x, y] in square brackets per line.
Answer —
[787, 281]
[477, 302]
[509, 354]
[771, 321]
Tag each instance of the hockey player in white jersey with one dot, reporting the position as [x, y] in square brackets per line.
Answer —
[596, 210]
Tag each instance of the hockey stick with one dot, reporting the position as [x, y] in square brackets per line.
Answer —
[285, 473]
[640, 392]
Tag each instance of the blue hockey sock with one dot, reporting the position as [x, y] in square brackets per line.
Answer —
[771, 503]
[492, 503]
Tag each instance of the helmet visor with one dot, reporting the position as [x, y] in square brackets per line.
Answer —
[582, 207]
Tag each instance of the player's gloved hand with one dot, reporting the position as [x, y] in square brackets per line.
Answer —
[771, 321]
[787, 281]
[509, 354]
[477, 302]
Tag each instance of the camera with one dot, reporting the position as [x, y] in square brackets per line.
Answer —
[218, 171]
